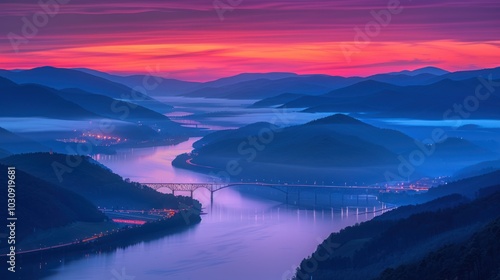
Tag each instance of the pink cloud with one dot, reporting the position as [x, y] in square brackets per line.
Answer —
[255, 28]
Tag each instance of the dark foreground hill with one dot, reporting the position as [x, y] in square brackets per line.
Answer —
[93, 181]
[412, 239]
[41, 205]
[477, 258]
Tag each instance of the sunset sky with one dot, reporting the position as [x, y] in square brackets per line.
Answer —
[188, 40]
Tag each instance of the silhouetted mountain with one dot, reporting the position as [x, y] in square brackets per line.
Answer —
[176, 87]
[423, 101]
[76, 104]
[361, 89]
[255, 89]
[425, 70]
[242, 86]
[341, 86]
[61, 78]
[447, 156]
[264, 88]
[403, 80]
[163, 86]
[326, 145]
[338, 119]
[336, 147]
[470, 74]
[13, 143]
[109, 107]
[92, 181]
[37, 101]
[355, 91]
[301, 145]
[43, 205]
[124, 111]
[392, 140]
[451, 148]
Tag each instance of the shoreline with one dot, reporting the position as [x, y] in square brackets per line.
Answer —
[125, 237]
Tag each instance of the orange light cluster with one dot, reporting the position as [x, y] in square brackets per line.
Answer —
[126, 221]
[72, 140]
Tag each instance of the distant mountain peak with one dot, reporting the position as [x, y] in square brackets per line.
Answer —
[45, 67]
[337, 119]
[424, 70]
[245, 77]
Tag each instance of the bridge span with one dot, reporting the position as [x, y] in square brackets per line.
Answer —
[282, 187]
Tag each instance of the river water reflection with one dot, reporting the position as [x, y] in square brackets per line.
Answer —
[241, 237]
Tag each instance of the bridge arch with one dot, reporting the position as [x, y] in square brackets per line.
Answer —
[282, 187]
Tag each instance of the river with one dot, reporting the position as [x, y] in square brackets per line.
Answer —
[241, 237]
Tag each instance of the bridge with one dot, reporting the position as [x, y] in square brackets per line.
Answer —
[282, 187]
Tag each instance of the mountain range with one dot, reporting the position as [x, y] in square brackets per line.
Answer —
[86, 95]
[432, 101]
[422, 93]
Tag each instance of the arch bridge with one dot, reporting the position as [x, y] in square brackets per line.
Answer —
[284, 188]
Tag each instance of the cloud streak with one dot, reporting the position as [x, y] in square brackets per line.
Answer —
[258, 36]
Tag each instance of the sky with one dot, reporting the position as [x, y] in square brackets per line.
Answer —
[202, 40]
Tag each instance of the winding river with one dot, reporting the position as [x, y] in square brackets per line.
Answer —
[241, 237]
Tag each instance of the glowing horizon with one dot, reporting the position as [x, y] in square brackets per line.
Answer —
[189, 41]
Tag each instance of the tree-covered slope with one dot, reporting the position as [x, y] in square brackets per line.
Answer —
[42, 205]
[93, 181]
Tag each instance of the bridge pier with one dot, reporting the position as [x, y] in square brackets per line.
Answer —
[286, 188]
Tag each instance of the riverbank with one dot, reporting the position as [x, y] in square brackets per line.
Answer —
[27, 261]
